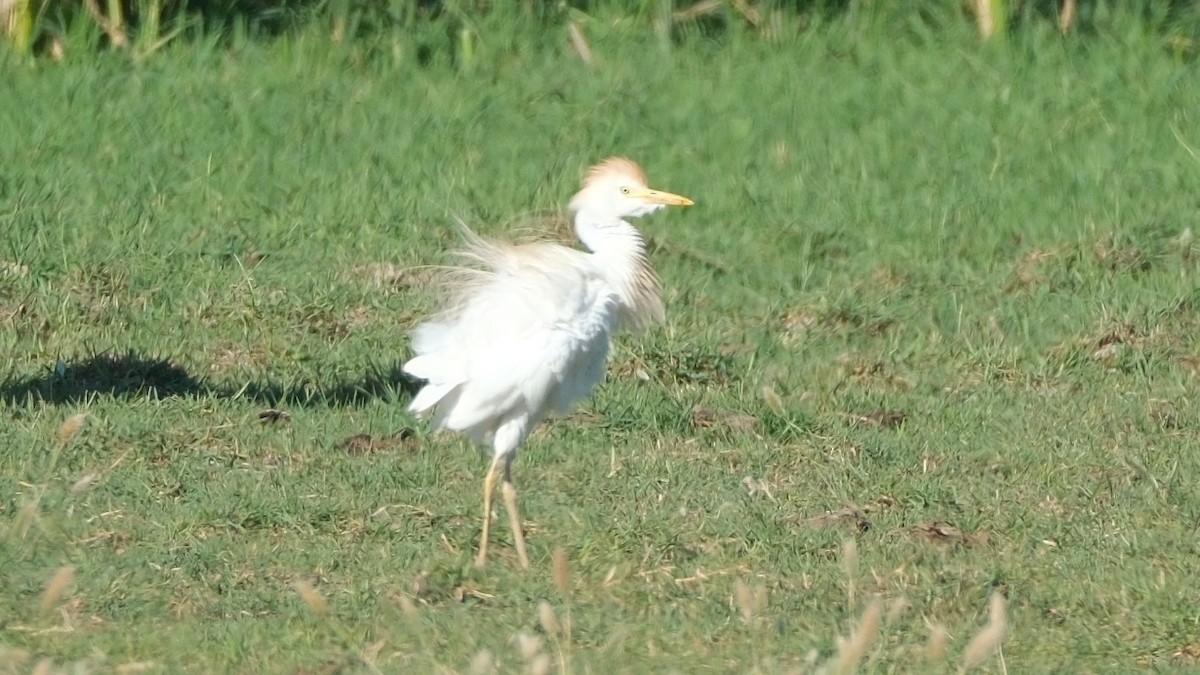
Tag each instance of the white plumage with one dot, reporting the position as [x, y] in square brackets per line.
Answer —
[526, 328]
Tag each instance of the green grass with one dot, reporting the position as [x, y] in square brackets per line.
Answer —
[992, 243]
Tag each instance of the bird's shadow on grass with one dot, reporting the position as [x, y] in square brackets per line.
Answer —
[131, 376]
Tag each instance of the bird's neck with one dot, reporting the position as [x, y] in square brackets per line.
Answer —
[620, 253]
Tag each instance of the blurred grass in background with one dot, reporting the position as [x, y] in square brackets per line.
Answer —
[56, 28]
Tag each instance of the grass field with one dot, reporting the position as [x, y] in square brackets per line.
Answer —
[936, 299]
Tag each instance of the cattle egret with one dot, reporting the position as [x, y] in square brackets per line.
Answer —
[525, 330]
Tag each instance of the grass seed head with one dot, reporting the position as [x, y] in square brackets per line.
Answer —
[528, 645]
[55, 589]
[562, 574]
[71, 428]
[84, 483]
[548, 619]
[26, 517]
[935, 649]
[850, 563]
[540, 665]
[743, 598]
[483, 663]
[989, 637]
[774, 401]
[11, 658]
[1185, 240]
[852, 650]
[312, 598]
[896, 609]
[409, 608]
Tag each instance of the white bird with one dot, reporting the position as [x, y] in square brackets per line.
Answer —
[525, 330]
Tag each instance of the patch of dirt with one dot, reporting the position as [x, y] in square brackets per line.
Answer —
[328, 323]
[755, 486]
[868, 372]
[798, 322]
[803, 320]
[365, 444]
[1188, 654]
[16, 270]
[1030, 269]
[98, 291]
[389, 275]
[849, 515]
[944, 533]
[884, 419]
[273, 416]
[226, 357]
[1106, 345]
[703, 417]
[887, 279]
[686, 367]
[330, 667]
[846, 516]
[1119, 256]
[1162, 414]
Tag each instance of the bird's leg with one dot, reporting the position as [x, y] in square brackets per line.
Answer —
[514, 519]
[489, 484]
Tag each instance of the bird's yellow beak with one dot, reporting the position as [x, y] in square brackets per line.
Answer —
[659, 197]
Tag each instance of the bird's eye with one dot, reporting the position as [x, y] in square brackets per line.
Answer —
[625, 191]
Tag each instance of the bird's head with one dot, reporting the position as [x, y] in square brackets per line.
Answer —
[616, 188]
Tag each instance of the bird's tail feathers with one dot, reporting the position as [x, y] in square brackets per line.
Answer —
[440, 377]
[430, 395]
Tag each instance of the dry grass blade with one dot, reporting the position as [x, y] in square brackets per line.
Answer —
[135, 667]
[850, 564]
[988, 639]
[749, 12]
[580, 43]
[1066, 17]
[113, 27]
[985, 17]
[55, 589]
